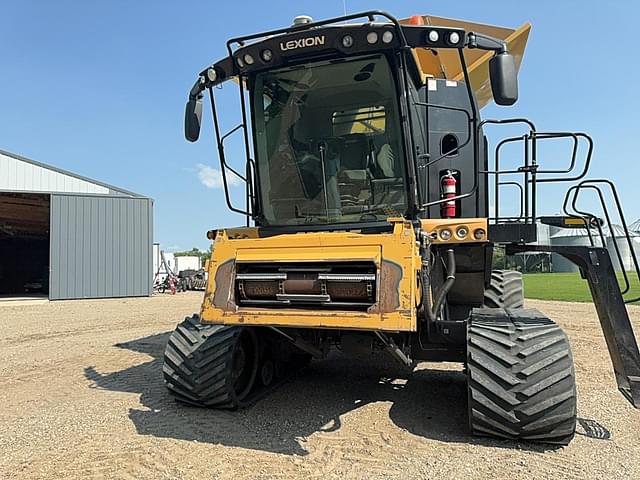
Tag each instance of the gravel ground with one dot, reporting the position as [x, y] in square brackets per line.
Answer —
[82, 397]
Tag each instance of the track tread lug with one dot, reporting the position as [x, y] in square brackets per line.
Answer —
[541, 405]
[197, 361]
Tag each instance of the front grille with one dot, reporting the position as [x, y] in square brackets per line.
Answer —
[345, 285]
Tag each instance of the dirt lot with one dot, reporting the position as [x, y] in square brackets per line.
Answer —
[81, 396]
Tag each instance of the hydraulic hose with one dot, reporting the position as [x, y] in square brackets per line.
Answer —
[432, 312]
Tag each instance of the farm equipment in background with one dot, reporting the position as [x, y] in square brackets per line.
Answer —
[368, 222]
[193, 279]
[165, 278]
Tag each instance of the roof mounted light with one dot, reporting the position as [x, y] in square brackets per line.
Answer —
[387, 37]
[433, 36]
[211, 75]
[248, 59]
[240, 62]
[454, 38]
[302, 20]
[372, 37]
[266, 55]
[347, 41]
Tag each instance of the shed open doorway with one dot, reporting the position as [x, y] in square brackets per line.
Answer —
[24, 245]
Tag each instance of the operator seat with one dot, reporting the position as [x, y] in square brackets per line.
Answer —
[355, 176]
[354, 151]
[384, 165]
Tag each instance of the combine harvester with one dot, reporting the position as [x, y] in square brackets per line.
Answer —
[368, 179]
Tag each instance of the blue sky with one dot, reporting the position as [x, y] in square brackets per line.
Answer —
[99, 88]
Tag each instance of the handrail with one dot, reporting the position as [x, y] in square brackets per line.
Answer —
[594, 184]
[531, 169]
[369, 14]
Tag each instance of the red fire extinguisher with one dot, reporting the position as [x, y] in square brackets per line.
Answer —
[448, 185]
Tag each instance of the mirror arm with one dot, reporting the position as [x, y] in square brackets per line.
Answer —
[196, 91]
[486, 42]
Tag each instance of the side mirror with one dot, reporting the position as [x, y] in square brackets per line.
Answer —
[193, 118]
[504, 78]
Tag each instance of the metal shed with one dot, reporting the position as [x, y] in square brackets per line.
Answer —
[68, 236]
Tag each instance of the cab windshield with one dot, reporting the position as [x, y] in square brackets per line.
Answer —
[328, 143]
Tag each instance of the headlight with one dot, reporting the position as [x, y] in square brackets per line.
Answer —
[248, 59]
[462, 232]
[211, 75]
[445, 234]
[347, 41]
[434, 36]
[372, 37]
[454, 37]
[479, 233]
[267, 55]
[387, 37]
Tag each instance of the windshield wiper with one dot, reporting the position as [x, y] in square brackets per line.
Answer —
[322, 148]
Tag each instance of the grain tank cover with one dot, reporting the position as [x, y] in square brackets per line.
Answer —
[445, 63]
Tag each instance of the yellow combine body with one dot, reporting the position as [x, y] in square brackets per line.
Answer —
[369, 227]
[395, 255]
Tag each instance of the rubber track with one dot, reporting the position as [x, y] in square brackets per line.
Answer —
[197, 363]
[505, 290]
[521, 380]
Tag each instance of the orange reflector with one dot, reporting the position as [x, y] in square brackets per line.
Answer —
[416, 20]
[574, 221]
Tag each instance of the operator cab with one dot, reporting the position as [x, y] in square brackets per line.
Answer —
[336, 139]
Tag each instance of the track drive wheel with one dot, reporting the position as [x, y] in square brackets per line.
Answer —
[211, 365]
[505, 290]
[520, 377]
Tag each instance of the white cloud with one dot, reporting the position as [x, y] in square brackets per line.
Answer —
[212, 177]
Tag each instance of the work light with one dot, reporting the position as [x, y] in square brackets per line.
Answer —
[347, 41]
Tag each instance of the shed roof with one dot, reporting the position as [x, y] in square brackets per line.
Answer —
[618, 231]
[21, 174]
[573, 232]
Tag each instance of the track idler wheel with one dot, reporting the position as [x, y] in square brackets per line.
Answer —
[267, 372]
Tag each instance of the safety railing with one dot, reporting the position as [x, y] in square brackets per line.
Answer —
[592, 221]
[527, 176]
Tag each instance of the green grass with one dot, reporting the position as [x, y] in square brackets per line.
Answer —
[567, 287]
